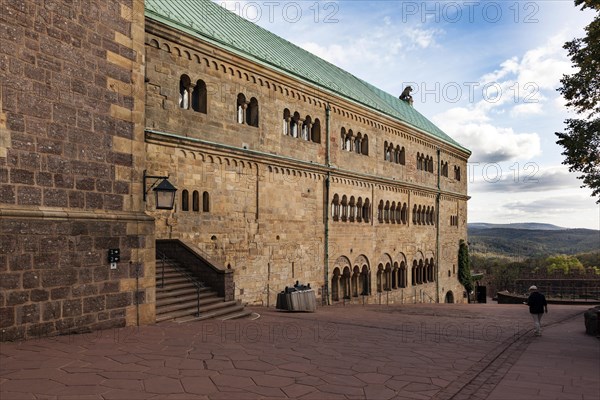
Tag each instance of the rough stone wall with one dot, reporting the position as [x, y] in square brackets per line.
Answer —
[71, 155]
[268, 190]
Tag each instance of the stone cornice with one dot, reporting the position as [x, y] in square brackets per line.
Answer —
[175, 140]
[74, 215]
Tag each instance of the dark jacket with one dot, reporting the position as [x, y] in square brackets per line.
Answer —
[536, 302]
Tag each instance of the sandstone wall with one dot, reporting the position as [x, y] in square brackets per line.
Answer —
[270, 206]
[71, 161]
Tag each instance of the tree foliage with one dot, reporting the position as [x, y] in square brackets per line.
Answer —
[464, 267]
[564, 263]
[581, 140]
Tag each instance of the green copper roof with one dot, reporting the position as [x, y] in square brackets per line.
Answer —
[212, 23]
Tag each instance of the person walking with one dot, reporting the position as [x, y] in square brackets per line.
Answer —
[537, 307]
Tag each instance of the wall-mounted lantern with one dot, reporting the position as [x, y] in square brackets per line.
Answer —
[164, 191]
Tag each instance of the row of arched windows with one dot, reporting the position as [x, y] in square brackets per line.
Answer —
[304, 128]
[192, 95]
[423, 215]
[355, 143]
[424, 163]
[348, 283]
[350, 209]
[396, 155]
[185, 201]
[247, 110]
[395, 213]
[391, 277]
[454, 220]
[422, 272]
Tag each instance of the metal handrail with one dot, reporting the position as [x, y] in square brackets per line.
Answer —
[198, 284]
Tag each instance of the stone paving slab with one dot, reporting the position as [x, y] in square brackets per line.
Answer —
[417, 351]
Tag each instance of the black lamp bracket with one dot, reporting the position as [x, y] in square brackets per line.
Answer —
[158, 178]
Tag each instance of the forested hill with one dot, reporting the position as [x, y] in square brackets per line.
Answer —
[527, 242]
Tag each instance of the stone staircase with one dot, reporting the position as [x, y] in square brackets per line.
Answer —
[178, 298]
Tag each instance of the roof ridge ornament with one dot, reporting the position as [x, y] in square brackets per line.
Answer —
[406, 97]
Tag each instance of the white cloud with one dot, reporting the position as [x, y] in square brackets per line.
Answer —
[520, 178]
[489, 143]
[526, 109]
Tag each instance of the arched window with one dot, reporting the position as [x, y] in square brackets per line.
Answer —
[388, 153]
[205, 202]
[199, 97]
[357, 143]
[195, 201]
[365, 145]
[380, 211]
[241, 108]
[367, 210]
[286, 121]
[315, 132]
[419, 163]
[359, 210]
[404, 214]
[294, 125]
[402, 275]
[343, 139]
[344, 208]
[185, 200]
[432, 277]
[306, 128]
[184, 92]
[386, 212]
[430, 169]
[352, 213]
[414, 214]
[413, 273]
[402, 156]
[380, 278]
[348, 144]
[252, 113]
[393, 212]
[335, 207]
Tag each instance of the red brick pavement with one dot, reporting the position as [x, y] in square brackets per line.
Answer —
[417, 351]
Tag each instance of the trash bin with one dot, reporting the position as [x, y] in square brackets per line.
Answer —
[297, 298]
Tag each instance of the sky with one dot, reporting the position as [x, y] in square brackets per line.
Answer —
[485, 72]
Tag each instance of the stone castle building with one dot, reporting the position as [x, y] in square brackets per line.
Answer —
[287, 167]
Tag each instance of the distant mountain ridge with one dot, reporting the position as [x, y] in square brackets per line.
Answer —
[517, 225]
[525, 240]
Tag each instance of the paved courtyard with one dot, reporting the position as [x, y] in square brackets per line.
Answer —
[415, 351]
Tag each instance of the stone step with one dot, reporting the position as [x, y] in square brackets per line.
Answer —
[174, 280]
[177, 299]
[192, 297]
[241, 314]
[177, 286]
[187, 304]
[231, 311]
[205, 311]
[191, 290]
